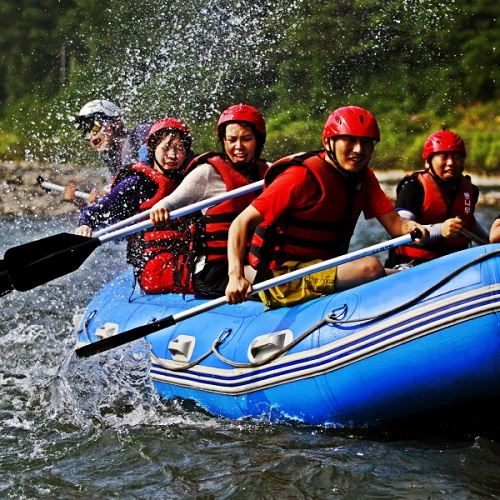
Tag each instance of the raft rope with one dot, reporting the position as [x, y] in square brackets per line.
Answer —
[330, 318]
[424, 294]
[220, 340]
[182, 367]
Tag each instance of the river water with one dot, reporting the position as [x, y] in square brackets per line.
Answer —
[95, 428]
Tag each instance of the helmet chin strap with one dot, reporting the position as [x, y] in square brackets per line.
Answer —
[174, 175]
[160, 166]
[450, 183]
[247, 169]
[118, 138]
[331, 154]
[330, 151]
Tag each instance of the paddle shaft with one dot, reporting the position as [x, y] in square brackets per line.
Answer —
[142, 331]
[474, 237]
[200, 205]
[57, 187]
[32, 264]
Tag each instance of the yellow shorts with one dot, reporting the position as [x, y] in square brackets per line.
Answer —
[299, 290]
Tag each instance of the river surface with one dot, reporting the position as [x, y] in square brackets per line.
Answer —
[95, 428]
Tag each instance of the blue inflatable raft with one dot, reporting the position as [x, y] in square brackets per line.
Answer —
[426, 338]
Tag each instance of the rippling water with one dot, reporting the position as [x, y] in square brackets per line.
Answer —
[94, 428]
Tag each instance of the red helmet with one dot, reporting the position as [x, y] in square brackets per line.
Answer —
[168, 124]
[443, 141]
[242, 113]
[351, 120]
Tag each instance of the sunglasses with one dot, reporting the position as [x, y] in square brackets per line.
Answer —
[91, 126]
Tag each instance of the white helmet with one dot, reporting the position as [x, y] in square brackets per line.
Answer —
[100, 106]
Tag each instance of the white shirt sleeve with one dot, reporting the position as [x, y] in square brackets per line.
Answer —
[202, 183]
[434, 229]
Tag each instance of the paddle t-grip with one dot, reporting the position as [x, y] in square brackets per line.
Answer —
[416, 234]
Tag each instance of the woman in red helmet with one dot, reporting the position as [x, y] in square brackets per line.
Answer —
[161, 257]
[440, 197]
[308, 212]
[241, 130]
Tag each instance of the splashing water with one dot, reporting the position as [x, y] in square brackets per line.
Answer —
[95, 428]
[193, 59]
[187, 59]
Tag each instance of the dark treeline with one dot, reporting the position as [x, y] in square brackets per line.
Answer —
[417, 65]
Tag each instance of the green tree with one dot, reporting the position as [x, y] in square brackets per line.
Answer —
[416, 64]
[32, 48]
[477, 38]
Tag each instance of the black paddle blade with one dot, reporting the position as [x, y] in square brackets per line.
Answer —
[38, 262]
[5, 283]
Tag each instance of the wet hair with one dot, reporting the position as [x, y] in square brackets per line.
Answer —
[155, 139]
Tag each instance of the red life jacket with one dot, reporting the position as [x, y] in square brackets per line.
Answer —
[434, 211]
[218, 219]
[322, 230]
[165, 185]
[164, 258]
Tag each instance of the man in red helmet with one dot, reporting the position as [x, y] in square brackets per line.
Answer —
[307, 213]
[440, 197]
[241, 131]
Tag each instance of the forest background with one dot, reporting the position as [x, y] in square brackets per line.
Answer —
[418, 65]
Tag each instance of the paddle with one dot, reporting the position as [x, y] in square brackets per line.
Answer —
[35, 263]
[199, 206]
[49, 186]
[142, 331]
[479, 240]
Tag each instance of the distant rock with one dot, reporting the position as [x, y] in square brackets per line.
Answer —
[20, 192]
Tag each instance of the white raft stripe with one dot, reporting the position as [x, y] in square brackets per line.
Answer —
[359, 338]
[362, 337]
[362, 344]
[350, 353]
